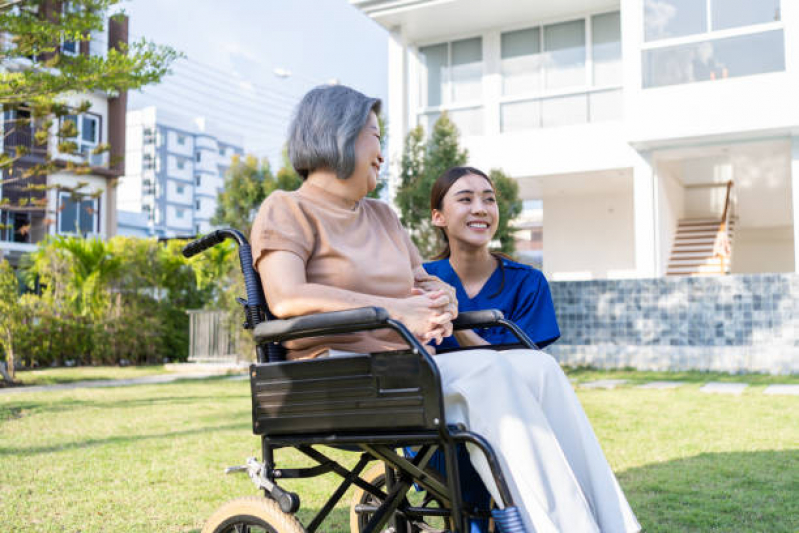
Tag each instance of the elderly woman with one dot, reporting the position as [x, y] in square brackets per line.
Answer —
[327, 247]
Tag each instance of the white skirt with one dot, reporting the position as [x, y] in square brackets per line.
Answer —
[523, 404]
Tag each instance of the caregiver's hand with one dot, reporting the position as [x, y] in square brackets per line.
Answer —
[429, 283]
[425, 314]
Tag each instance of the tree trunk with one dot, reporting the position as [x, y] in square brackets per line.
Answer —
[10, 363]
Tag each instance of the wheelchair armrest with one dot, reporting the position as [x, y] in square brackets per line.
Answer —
[363, 318]
[478, 319]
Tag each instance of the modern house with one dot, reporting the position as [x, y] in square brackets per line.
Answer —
[174, 170]
[661, 137]
[82, 204]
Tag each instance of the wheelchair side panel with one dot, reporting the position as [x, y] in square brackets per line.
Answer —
[378, 392]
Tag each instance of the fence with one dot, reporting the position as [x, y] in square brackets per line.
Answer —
[211, 339]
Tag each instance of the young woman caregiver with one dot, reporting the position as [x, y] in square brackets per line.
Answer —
[327, 247]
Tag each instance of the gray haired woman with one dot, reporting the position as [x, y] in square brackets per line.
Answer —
[328, 247]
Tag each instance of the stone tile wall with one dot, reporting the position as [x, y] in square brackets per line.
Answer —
[732, 323]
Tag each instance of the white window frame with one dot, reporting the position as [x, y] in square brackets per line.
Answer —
[543, 93]
[95, 216]
[65, 8]
[446, 92]
[84, 147]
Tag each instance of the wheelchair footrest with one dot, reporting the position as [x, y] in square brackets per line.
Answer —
[509, 520]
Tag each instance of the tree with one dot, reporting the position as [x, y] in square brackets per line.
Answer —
[247, 183]
[10, 313]
[423, 161]
[38, 74]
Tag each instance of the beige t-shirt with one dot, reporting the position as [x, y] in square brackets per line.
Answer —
[358, 246]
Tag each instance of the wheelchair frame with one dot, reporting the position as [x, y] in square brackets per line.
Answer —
[346, 402]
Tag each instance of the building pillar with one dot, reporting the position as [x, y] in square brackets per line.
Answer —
[795, 198]
[395, 110]
[644, 215]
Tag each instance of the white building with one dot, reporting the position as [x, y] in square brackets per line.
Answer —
[76, 203]
[623, 117]
[174, 170]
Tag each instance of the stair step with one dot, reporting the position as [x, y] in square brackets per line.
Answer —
[699, 221]
[701, 269]
[687, 254]
[695, 274]
[698, 240]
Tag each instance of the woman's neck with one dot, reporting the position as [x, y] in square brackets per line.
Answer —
[329, 181]
[473, 265]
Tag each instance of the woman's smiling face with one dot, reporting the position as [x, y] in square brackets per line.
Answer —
[469, 213]
[367, 153]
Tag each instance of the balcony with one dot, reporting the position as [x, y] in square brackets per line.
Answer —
[17, 137]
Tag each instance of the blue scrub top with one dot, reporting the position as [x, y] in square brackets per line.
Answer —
[524, 299]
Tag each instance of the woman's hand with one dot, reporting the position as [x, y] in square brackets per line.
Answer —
[425, 314]
[429, 283]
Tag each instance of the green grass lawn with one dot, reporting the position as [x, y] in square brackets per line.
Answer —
[150, 458]
[53, 376]
[637, 377]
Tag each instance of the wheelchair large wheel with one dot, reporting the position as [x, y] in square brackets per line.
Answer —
[252, 514]
[377, 477]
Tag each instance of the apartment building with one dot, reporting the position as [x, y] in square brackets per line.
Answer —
[174, 169]
[660, 137]
[83, 204]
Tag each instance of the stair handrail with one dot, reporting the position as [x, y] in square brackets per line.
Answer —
[721, 246]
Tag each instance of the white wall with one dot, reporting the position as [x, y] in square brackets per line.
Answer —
[589, 237]
[184, 223]
[670, 211]
[757, 250]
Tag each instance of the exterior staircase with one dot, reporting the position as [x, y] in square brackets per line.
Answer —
[695, 248]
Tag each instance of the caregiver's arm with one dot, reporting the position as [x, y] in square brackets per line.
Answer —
[289, 294]
[467, 337]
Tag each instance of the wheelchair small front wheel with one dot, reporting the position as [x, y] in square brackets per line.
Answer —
[253, 514]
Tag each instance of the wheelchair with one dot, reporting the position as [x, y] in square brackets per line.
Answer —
[371, 404]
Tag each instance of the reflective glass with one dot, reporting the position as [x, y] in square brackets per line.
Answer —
[86, 216]
[564, 110]
[68, 217]
[735, 13]
[435, 59]
[467, 69]
[89, 131]
[521, 61]
[606, 48]
[468, 121]
[605, 105]
[520, 116]
[564, 47]
[674, 18]
[744, 55]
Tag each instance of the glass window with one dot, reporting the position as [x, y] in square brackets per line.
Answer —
[181, 139]
[605, 105]
[179, 213]
[90, 130]
[606, 48]
[674, 18]
[436, 61]
[564, 47]
[519, 116]
[180, 164]
[735, 13]
[181, 189]
[198, 180]
[197, 205]
[468, 121]
[564, 110]
[744, 55]
[77, 215]
[198, 156]
[467, 69]
[521, 61]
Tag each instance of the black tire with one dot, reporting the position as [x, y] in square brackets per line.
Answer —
[377, 477]
[252, 514]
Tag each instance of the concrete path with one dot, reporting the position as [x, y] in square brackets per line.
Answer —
[144, 380]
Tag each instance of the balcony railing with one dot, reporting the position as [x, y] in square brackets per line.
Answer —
[17, 136]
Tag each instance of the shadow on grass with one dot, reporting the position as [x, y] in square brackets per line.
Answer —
[337, 521]
[736, 491]
[121, 439]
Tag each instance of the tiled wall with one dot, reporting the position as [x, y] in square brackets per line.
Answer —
[731, 323]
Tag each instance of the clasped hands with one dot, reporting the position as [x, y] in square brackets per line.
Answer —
[433, 307]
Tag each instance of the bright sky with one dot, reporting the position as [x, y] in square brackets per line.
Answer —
[232, 48]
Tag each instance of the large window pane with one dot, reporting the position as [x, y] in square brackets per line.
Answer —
[564, 110]
[520, 116]
[435, 59]
[468, 121]
[564, 47]
[89, 129]
[673, 18]
[86, 216]
[521, 61]
[605, 105]
[735, 13]
[428, 120]
[710, 60]
[467, 69]
[69, 215]
[606, 41]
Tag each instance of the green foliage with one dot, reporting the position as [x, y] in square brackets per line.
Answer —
[423, 161]
[10, 314]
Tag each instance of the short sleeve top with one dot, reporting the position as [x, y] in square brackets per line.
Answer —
[524, 298]
[358, 246]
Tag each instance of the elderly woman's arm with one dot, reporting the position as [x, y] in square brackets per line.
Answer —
[289, 294]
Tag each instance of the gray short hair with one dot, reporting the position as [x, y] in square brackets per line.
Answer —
[325, 125]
